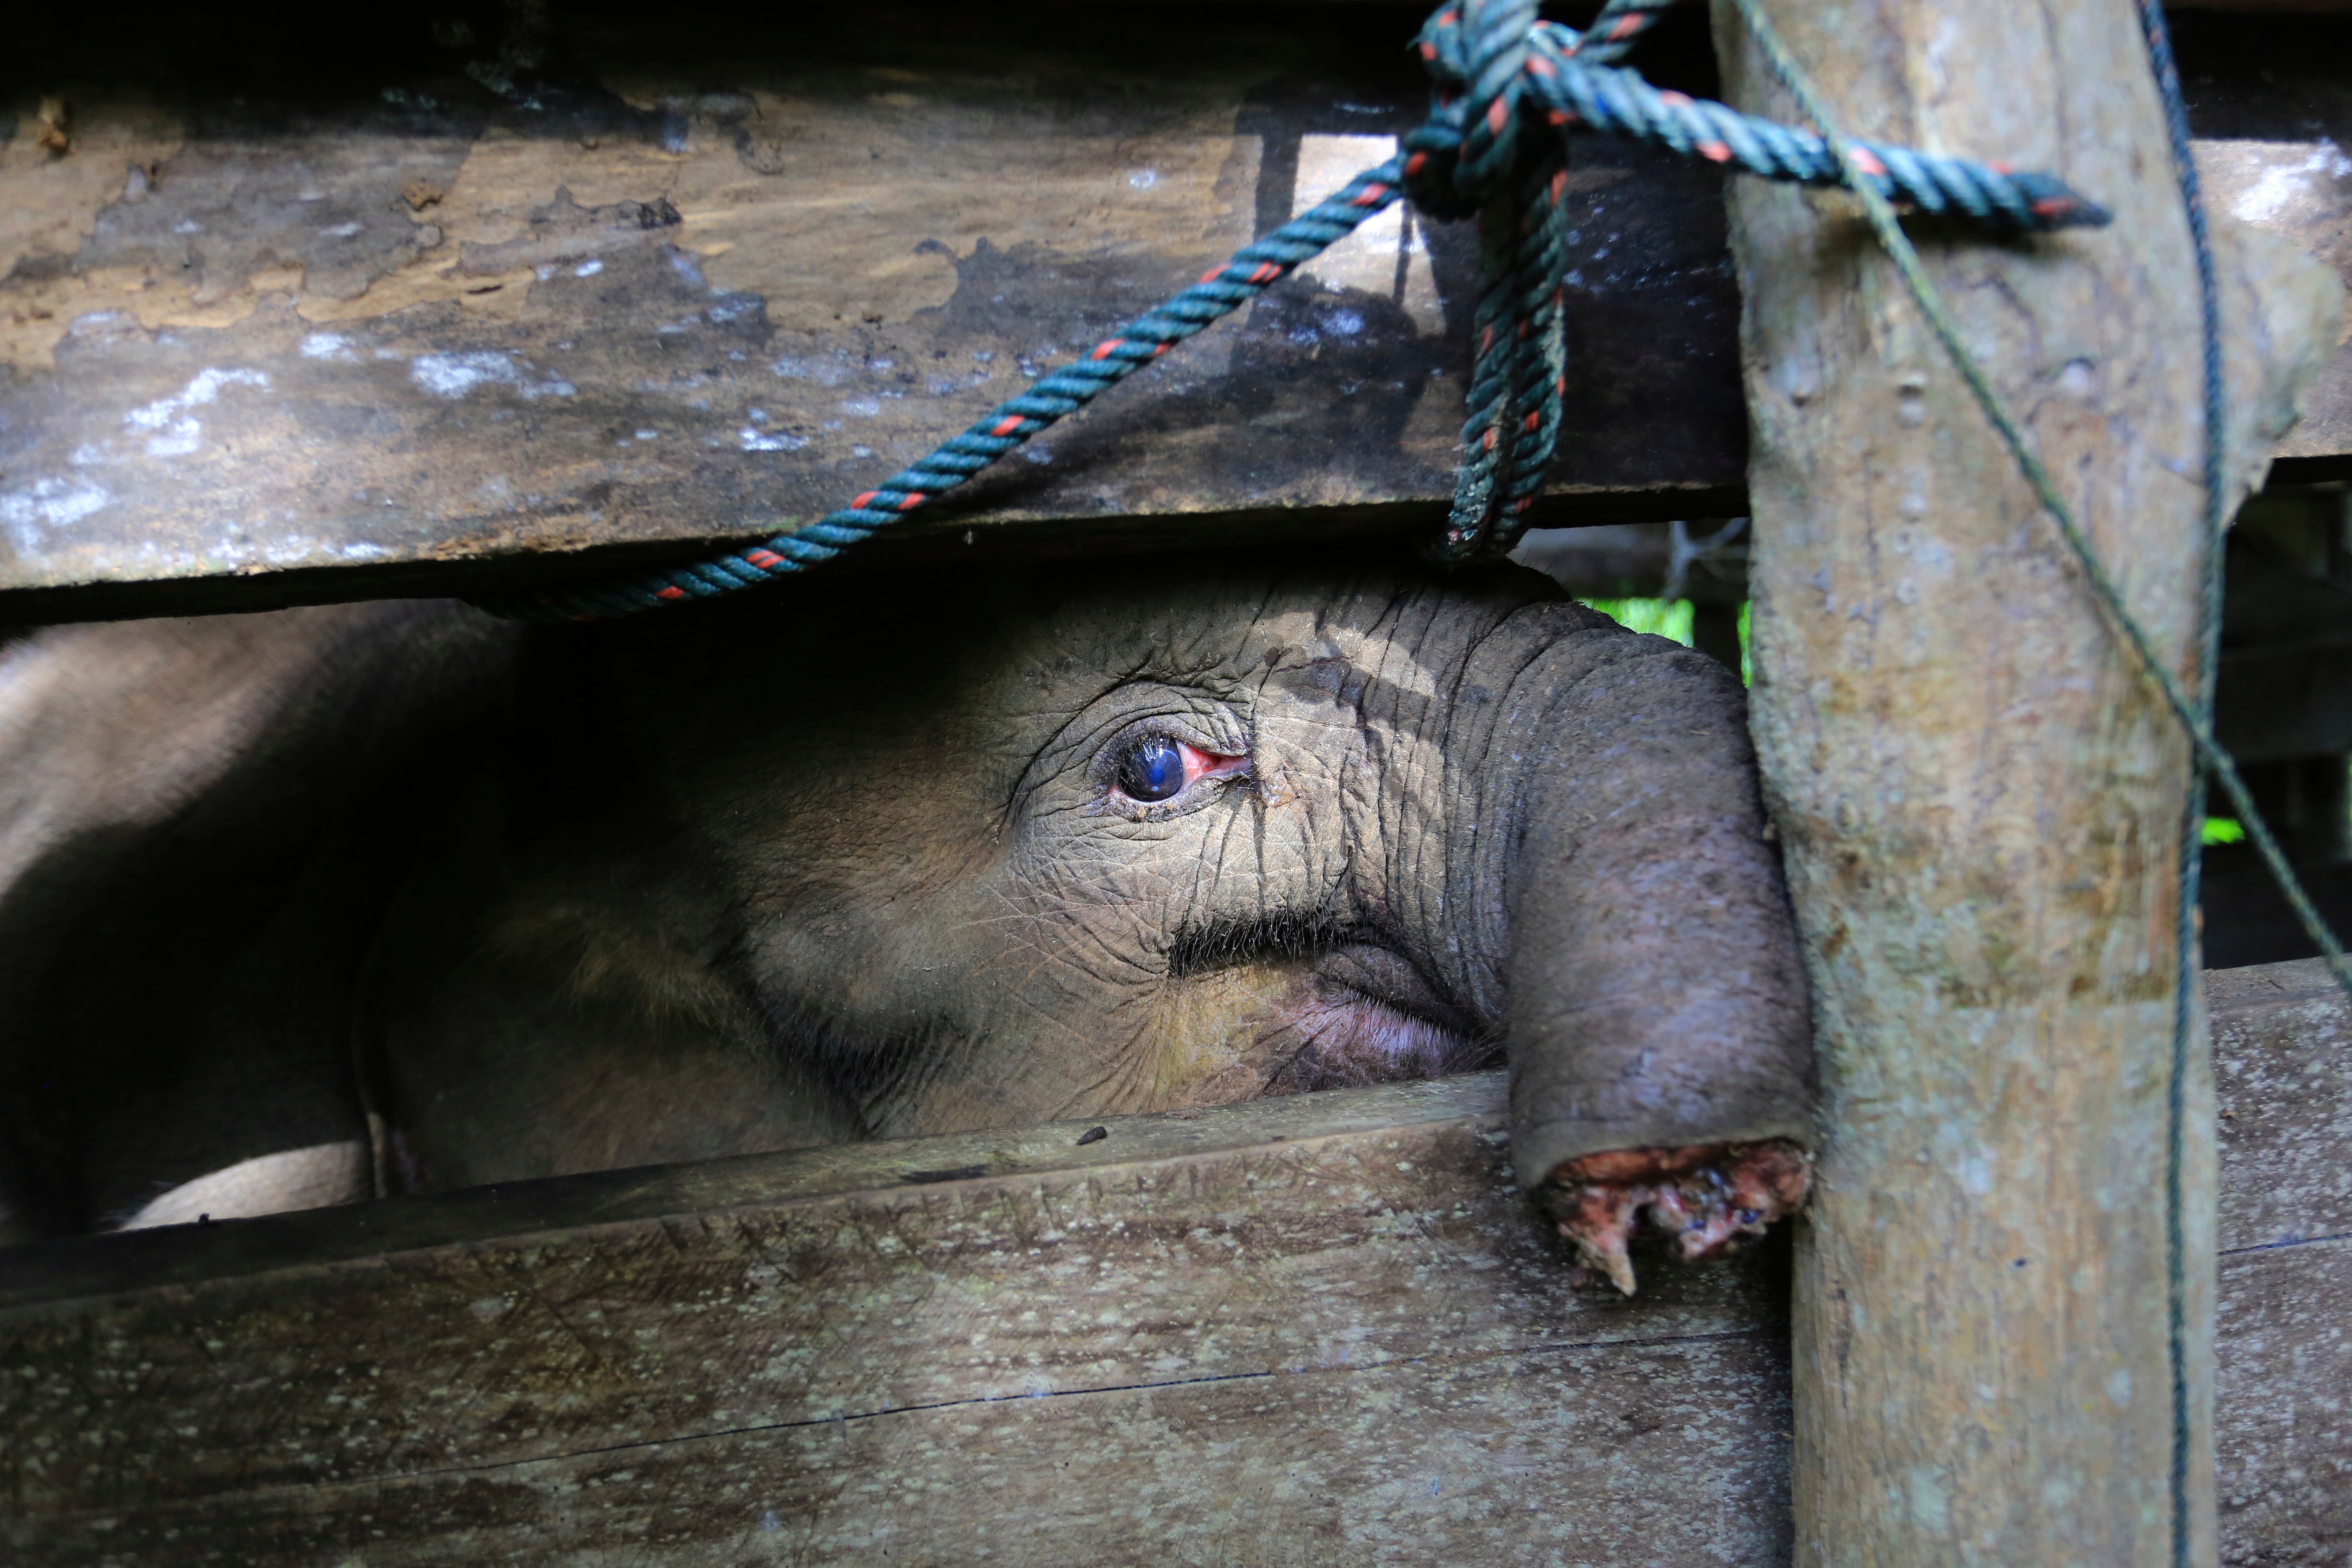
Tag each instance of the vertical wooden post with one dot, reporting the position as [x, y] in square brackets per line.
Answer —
[1979, 796]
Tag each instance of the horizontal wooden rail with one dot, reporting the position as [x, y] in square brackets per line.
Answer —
[1306, 1330]
[406, 333]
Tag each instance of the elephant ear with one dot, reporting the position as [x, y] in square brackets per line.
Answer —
[553, 994]
[201, 823]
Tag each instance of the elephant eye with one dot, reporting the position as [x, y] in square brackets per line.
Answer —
[1153, 768]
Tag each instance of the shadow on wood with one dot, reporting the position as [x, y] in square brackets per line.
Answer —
[1305, 1331]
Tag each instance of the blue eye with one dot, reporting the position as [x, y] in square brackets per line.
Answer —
[1153, 768]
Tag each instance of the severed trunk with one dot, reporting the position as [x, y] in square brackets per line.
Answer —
[1652, 990]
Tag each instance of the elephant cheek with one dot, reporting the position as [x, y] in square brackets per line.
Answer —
[1221, 1036]
[1281, 1028]
[1343, 1039]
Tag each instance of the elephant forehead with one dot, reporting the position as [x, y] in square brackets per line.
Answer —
[1369, 670]
[1402, 632]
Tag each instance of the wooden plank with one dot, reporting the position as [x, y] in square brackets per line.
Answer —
[2272, 102]
[1383, 1464]
[2301, 191]
[302, 339]
[2282, 1426]
[275, 361]
[1326, 1333]
[179, 1255]
[2283, 1076]
[1293, 1331]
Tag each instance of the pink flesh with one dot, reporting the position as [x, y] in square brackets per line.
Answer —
[1708, 1198]
[1200, 764]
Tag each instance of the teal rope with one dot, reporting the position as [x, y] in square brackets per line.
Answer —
[1507, 91]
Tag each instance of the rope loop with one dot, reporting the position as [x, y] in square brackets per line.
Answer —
[1506, 90]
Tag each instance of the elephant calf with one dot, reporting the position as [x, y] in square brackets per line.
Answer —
[304, 906]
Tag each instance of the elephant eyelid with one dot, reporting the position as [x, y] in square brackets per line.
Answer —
[1204, 765]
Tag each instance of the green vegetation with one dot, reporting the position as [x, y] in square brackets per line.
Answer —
[1665, 618]
[1669, 618]
[2224, 830]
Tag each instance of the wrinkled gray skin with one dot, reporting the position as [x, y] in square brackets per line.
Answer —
[853, 858]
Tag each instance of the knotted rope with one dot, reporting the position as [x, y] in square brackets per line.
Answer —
[1507, 90]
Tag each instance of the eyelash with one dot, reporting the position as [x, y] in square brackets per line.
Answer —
[1200, 765]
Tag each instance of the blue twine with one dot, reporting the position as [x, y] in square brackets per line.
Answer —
[2192, 827]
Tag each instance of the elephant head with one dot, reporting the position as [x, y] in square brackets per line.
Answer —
[418, 900]
[984, 847]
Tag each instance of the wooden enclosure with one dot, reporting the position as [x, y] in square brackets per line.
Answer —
[280, 329]
[298, 327]
[1293, 1332]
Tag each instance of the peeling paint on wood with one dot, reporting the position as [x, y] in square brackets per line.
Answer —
[416, 340]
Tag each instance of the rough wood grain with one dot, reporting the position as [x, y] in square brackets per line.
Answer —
[1314, 1339]
[724, 283]
[1980, 794]
[2273, 103]
[2283, 1420]
[373, 329]
[179, 1255]
[2283, 1430]
[2301, 191]
[2283, 1069]
[1295, 1332]
[1646, 1453]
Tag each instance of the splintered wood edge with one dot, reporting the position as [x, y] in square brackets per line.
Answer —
[84, 1266]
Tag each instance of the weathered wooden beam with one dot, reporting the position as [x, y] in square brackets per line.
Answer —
[726, 282]
[1305, 1333]
[1981, 796]
[2300, 190]
[2283, 1433]
[1304, 1330]
[387, 327]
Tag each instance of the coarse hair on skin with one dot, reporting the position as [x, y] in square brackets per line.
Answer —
[1211, 944]
[604, 961]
